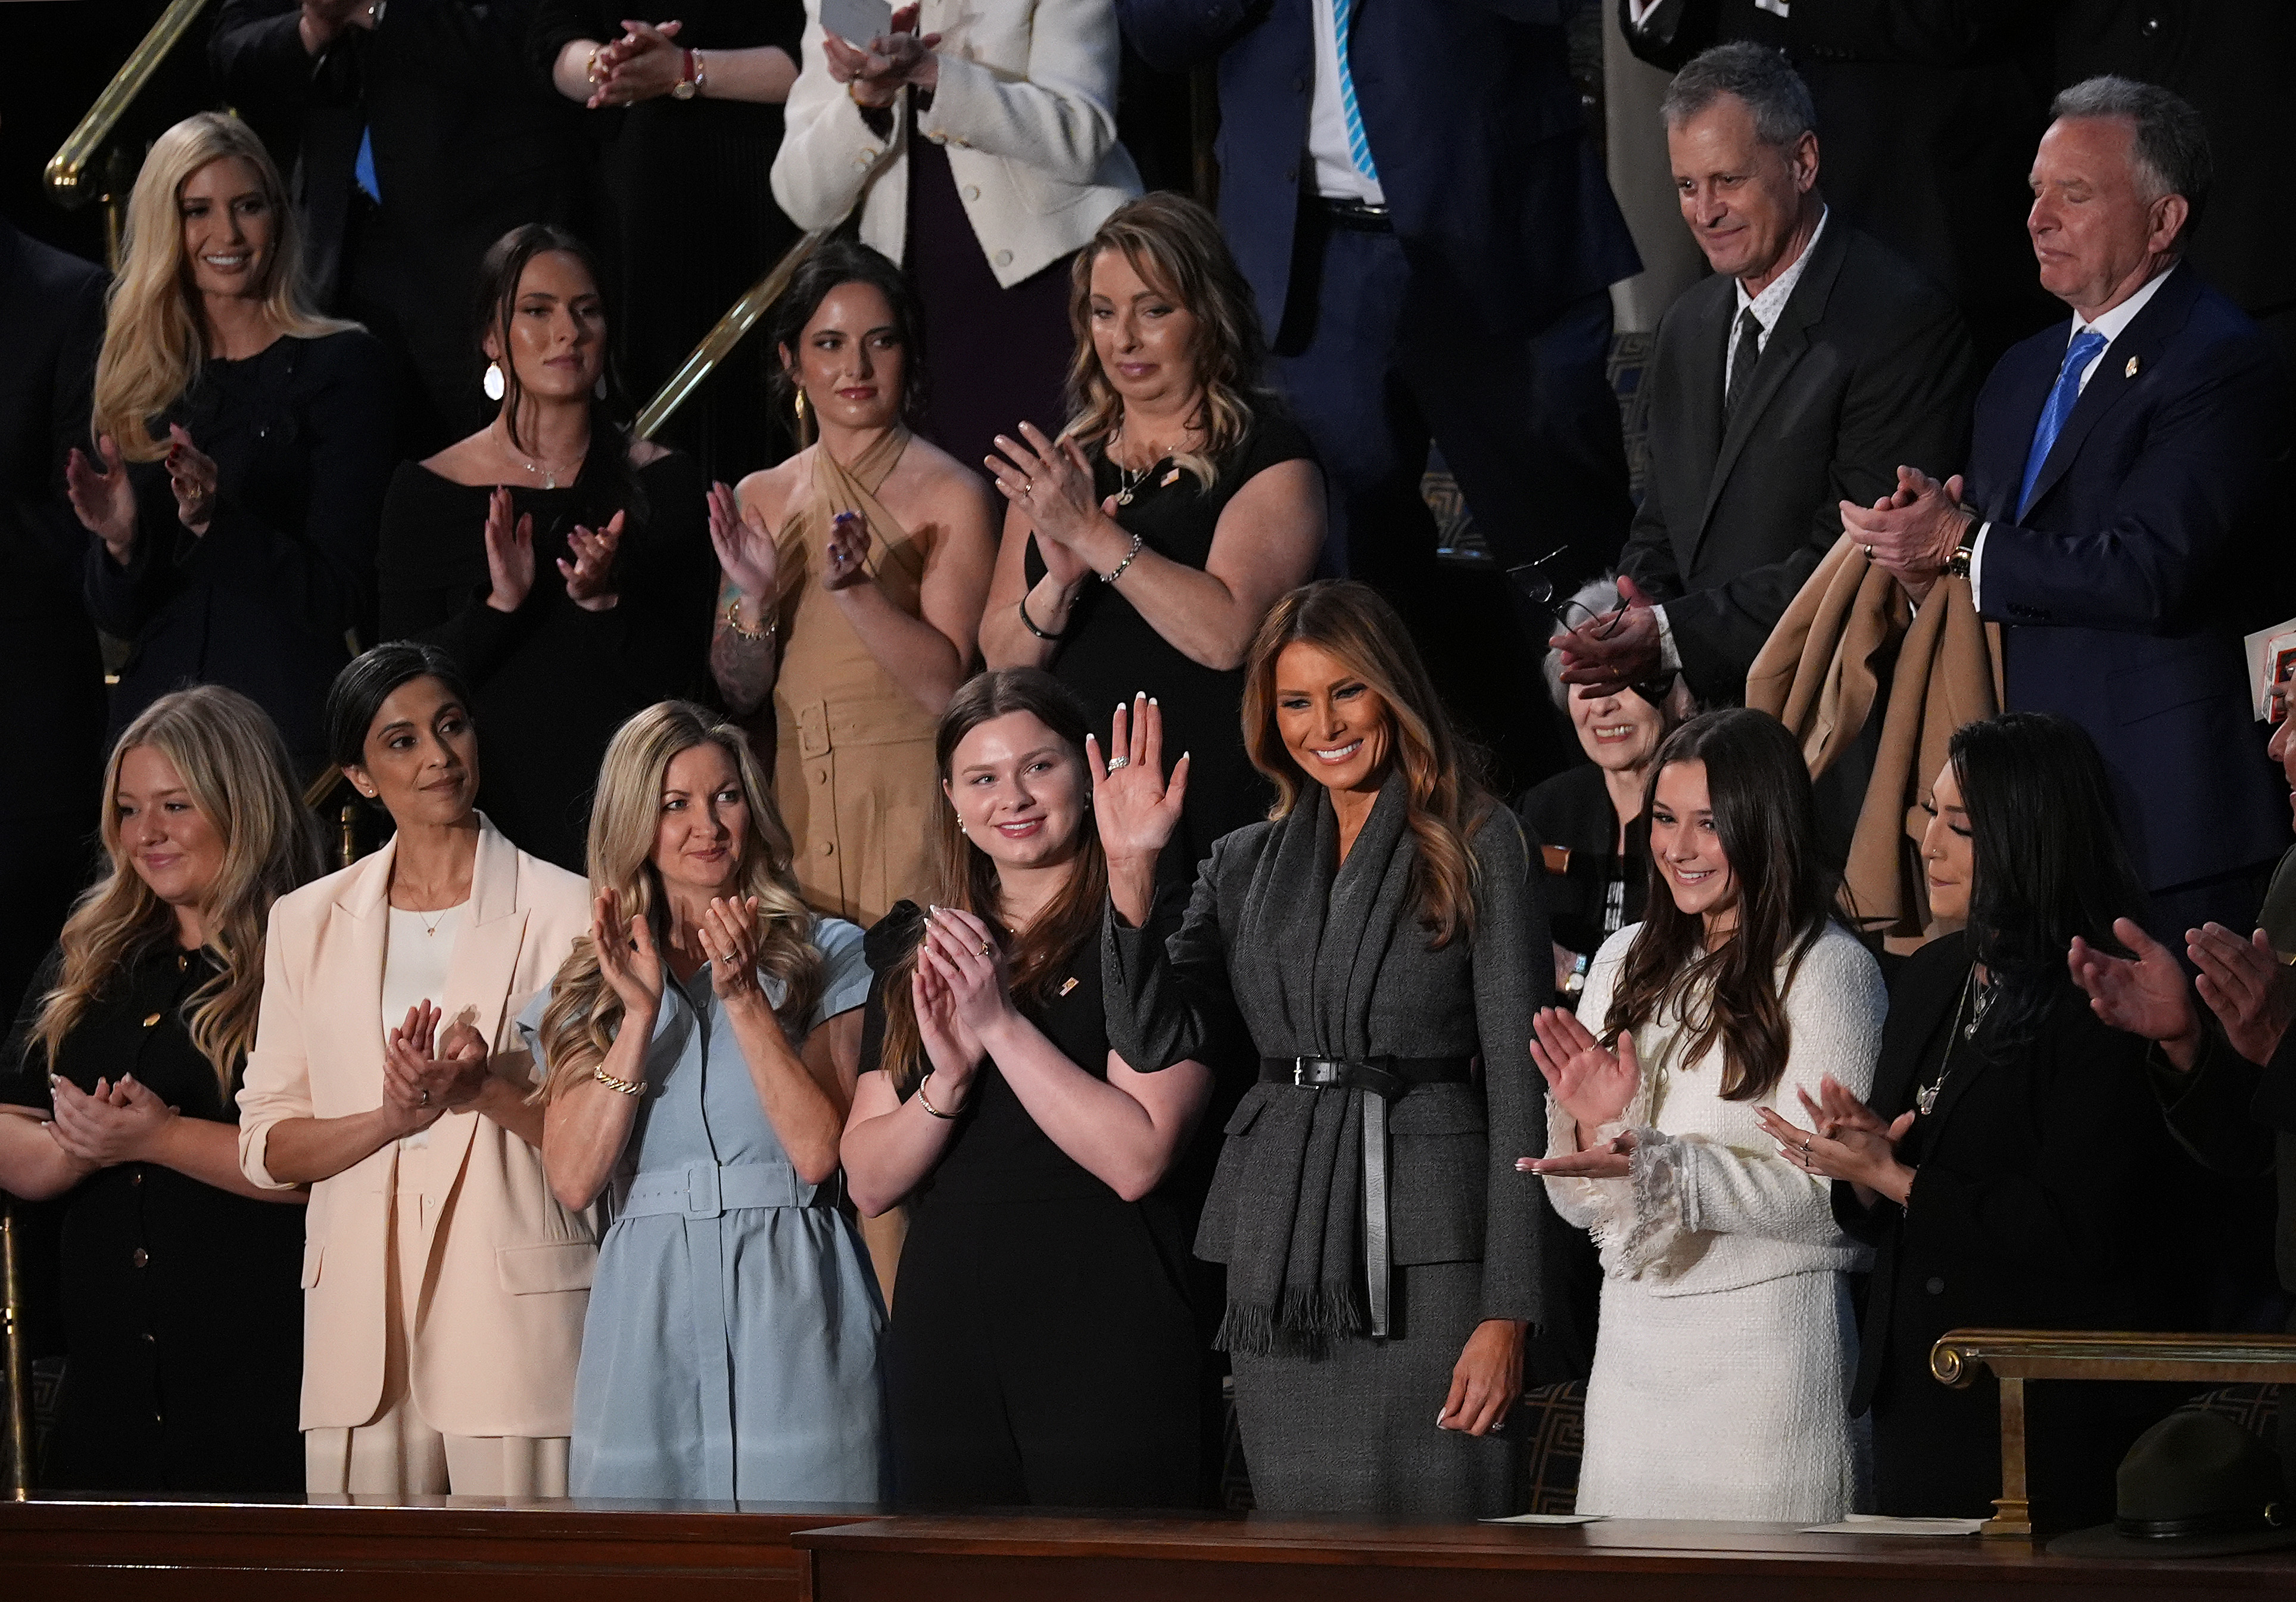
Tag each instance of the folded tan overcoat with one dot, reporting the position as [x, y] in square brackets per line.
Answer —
[1821, 674]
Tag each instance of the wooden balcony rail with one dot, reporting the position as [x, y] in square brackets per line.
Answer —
[2017, 1355]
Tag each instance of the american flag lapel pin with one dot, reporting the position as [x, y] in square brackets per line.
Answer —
[1070, 985]
[2130, 370]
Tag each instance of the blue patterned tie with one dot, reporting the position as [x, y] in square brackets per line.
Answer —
[1358, 147]
[2083, 352]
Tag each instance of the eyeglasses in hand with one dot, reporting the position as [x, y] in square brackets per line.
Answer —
[1538, 586]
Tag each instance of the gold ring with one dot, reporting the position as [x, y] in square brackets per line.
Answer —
[984, 947]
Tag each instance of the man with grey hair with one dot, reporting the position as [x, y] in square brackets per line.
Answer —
[1797, 376]
[2115, 519]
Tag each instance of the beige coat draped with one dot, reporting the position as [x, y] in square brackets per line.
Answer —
[1821, 673]
[497, 1322]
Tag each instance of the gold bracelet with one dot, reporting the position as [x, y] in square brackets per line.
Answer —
[619, 1087]
[764, 632]
[927, 1100]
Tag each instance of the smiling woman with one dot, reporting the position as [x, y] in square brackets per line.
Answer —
[243, 442]
[182, 1332]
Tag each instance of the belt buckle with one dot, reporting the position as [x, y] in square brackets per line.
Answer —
[1300, 1073]
[705, 1196]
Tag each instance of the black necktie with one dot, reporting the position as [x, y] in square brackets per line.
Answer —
[1743, 365]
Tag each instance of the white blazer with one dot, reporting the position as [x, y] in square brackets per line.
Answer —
[1025, 107]
[496, 1323]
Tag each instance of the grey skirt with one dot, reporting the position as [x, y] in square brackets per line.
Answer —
[1355, 1432]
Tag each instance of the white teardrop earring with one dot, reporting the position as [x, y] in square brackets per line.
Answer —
[493, 383]
[599, 388]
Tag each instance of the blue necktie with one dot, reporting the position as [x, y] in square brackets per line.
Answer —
[2084, 350]
[363, 166]
[1358, 147]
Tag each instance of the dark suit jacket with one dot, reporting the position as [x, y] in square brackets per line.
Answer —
[1497, 192]
[1869, 367]
[468, 141]
[2148, 550]
[2048, 1196]
[1928, 112]
[1574, 831]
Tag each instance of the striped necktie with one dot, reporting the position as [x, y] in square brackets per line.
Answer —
[1358, 145]
[2083, 351]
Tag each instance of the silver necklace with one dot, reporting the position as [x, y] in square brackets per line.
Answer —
[1975, 998]
[1129, 482]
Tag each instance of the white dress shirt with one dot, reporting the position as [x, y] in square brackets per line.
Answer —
[2110, 324]
[1327, 125]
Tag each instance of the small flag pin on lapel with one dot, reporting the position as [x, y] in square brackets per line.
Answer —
[1070, 985]
[2130, 370]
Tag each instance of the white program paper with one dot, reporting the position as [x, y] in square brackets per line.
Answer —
[1546, 1518]
[1874, 1524]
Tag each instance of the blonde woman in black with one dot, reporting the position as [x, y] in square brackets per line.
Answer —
[183, 1319]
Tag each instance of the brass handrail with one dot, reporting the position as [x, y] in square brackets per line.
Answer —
[18, 1349]
[2017, 1355]
[69, 165]
[739, 319]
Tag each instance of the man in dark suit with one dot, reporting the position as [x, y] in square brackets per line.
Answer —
[1410, 191]
[1930, 108]
[417, 133]
[2114, 521]
[52, 717]
[1798, 376]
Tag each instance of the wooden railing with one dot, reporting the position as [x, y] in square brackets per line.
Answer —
[2017, 1355]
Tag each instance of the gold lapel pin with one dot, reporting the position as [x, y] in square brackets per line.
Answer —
[1070, 985]
[2130, 370]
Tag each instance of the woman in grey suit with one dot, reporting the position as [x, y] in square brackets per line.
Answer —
[1383, 941]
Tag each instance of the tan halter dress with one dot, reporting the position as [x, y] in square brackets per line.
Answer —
[853, 770]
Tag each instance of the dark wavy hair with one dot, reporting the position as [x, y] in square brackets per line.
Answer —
[823, 267]
[964, 875]
[606, 481]
[2050, 862]
[1767, 823]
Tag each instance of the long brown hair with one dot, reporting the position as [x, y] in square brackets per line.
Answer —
[579, 1024]
[231, 758]
[1767, 824]
[1448, 801]
[154, 337]
[1177, 248]
[964, 875]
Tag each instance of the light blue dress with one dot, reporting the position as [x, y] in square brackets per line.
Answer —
[731, 1350]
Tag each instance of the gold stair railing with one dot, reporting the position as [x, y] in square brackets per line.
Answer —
[739, 319]
[17, 1351]
[2017, 1355]
[68, 170]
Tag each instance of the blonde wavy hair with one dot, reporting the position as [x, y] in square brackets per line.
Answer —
[584, 1014]
[1177, 248]
[154, 338]
[231, 760]
[1448, 801]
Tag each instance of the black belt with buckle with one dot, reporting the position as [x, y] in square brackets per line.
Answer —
[1358, 215]
[1383, 1080]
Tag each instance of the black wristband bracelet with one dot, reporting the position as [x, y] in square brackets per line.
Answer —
[1029, 624]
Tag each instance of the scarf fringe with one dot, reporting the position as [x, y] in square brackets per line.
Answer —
[1303, 1324]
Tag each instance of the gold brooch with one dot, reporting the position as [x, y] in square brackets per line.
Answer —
[2130, 370]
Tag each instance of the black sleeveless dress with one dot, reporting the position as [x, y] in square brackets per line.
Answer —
[1109, 651]
[1045, 1349]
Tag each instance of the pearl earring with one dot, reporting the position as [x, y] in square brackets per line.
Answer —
[492, 383]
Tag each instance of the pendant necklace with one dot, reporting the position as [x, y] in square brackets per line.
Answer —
[1129, 482]
[1974, 1001]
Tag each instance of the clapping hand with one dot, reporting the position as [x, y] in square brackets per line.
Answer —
[407, 1093]
[510, 552]
[644, 63]
[848, 552]
[1617, 650]
[116, 1123]
[1051, 481]
[446, 1070]
[1913, 532]
[2145, 995]
[103, 498]
[626, 956]
[2245, 986]
[746, 553]
[953, 1050]
[589, 575]
[191, 475]
[1592, 1083]
[1846, 1140]
[727, 930]
[874, 74]
[963, 957]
